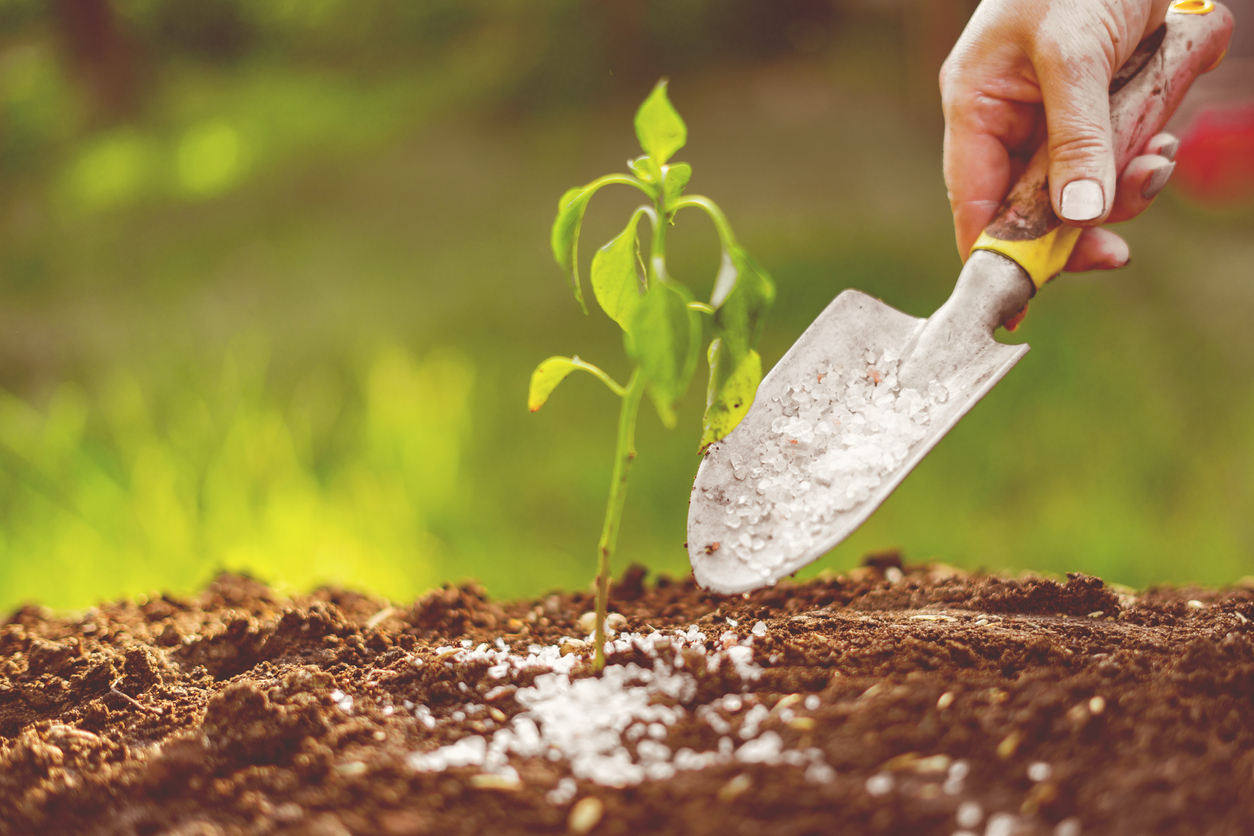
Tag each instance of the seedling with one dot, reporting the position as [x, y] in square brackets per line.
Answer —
[663, 326]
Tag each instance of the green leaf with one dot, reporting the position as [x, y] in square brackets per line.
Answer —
[733, 384]
[565, 236]
[664, 338]
[553, 371]
[658, 127]
[743, 293]
[545, 379]
[674, 178]
[645, 169]
[616, 281]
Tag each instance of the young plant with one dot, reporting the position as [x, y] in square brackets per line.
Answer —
[663, 326]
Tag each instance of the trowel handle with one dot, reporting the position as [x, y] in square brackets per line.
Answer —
[1144, 94]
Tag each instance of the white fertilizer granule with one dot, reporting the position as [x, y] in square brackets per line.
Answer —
[840, 434]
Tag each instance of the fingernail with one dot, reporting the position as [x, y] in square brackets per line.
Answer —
[1082, 200]
[1119, 245]
[1164, 145]
[1157, 179]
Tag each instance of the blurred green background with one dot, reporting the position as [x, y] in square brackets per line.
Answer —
[274, 275]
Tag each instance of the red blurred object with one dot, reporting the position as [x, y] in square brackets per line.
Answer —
[1215, 163]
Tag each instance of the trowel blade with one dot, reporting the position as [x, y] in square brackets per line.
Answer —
[852, 326]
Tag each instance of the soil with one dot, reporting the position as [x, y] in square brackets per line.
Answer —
[927, 701]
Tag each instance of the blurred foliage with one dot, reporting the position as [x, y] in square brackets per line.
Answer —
[273, 275]
[224, 475]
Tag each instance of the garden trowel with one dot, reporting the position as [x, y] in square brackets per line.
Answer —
[868, 391]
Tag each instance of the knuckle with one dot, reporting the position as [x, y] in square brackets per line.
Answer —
[1084, 145]
[940, 77]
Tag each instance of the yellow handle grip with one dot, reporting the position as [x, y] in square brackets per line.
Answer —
[1041, 258]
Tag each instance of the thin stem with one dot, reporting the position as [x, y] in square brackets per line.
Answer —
[625, 450]
[601, 375]
[657, 254]
[623, 456]
[701, 307]
[625, 179]
[646, 210]
[720, 220]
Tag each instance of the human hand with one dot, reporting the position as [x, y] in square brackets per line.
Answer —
[1024, 72]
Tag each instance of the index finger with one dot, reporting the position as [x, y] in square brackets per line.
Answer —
[983, 133]
[977, 176]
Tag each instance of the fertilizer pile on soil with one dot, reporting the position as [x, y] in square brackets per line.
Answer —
[894, 699]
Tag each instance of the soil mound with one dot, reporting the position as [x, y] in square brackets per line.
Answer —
[893, 699]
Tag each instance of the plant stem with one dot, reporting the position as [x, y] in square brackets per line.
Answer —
[710, 208]
[625, 179]
[623, 455]
[625, 451]
[657, 245]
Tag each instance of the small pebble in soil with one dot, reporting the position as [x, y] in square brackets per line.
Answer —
[1009, 744]
[507, 781]
[735, 788]
[945, 700]
[585, 815]
[1097, 705]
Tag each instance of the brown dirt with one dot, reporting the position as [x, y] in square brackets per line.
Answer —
[213, 715]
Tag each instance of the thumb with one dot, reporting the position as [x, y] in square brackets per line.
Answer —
[1081, 152]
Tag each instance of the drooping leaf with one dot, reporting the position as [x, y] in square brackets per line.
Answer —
[616, 277]
[664, 338]
[733, 384]
[658, 127]
[565, 235]
[553, 371]
[545, 379]
[743, 293]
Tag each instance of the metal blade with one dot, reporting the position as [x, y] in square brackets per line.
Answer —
[851, 326]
